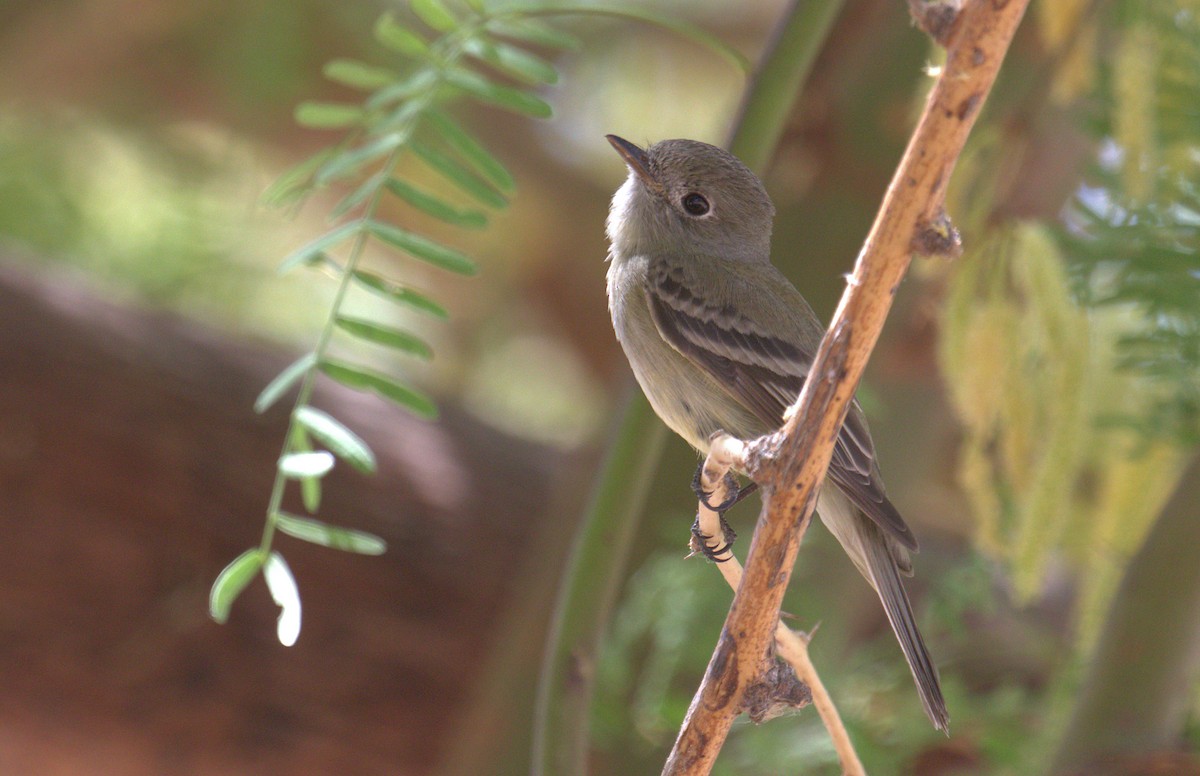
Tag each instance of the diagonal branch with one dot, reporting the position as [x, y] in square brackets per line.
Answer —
[791, 464]
[727, 453]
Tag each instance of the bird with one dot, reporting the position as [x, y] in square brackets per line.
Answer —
[720, 341]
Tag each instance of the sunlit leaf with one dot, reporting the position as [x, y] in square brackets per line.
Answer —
[348, 162]
[423, 248]
[312, 251]
[286, 595]
[434, 14]
[401, 294]
[294, 182]
[401, 90]
[306, 464]
[460, 176]
[385, 386]
[310, 487]
[438, 208]
[385, 335]
[358, 75]
[341, 441]
[310, 493]
[516, 100]
[399, 38]
[230, 583]
[326, 535]
[516, 62]
[328, 115]
[283, 382]
[472, 151]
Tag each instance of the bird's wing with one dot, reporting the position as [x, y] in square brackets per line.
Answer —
[765, 373]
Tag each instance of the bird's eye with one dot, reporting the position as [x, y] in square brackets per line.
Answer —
[695, 204]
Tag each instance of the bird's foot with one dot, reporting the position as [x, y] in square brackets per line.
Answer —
[732, 489]
[700, 541]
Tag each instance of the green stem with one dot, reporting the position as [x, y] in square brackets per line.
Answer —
[589, 590]
[626, 13]
[777, 83]
[597, 565]
[310, 378]
[446, 51]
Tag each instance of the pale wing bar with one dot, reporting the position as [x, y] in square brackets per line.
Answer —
[766, 374]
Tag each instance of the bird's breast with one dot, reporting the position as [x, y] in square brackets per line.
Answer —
[691, 402]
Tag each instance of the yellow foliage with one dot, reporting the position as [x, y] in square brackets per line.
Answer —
[1064, 29]
[1032, 376]
[1135, 78]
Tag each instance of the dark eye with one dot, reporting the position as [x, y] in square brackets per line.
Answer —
[695, 204]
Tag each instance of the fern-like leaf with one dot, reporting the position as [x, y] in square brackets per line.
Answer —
[385, 335]
[403, 100]
[364, 379]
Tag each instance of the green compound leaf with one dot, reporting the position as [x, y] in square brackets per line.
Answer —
[283, 382]
[385, 335]
[434, 14]
[359, 75]
[472, 151]
[422, 248]
[283, 589]
[318, 532]
[399, 38]
[513, 61]
[436, 207]
[341, 441]
[230, 583]
[328, 115]
[465, 180]
[387, 387]
[303, 465]
[401, 294]
[516, 100]
[314, 250]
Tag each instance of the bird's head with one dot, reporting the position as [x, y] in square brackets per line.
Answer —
[689, 196]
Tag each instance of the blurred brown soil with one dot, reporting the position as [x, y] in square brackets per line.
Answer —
[132, 468]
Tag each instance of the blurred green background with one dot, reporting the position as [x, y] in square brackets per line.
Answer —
[136, 139]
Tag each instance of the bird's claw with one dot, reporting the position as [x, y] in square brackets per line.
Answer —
[700, 542]
[733, 491]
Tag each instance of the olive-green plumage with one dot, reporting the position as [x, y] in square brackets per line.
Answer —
[719, 340]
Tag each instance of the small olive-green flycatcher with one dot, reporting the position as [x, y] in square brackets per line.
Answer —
[721, 341]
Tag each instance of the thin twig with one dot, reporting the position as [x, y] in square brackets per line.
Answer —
[726, 453]
[790, 465]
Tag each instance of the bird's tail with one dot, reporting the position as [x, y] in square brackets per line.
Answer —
[886, 578]
[875, 556]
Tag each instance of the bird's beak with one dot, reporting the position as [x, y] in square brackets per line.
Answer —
[635, 158]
